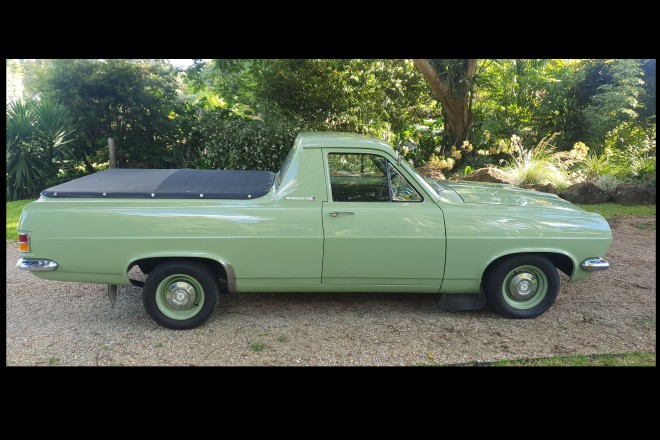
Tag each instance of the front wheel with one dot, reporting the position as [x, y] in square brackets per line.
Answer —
[180, 295]
[522, 286]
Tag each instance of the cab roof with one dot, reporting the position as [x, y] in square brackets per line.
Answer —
[329, 139]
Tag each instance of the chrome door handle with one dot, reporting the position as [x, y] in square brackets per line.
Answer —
[336, 213]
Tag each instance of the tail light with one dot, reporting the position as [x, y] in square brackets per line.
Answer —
[24, 242]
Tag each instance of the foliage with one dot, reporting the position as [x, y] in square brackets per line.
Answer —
[36, 138]
[631, 153]
[14, 210]
[384, 98]
[543, 164]
[618, 88]
[595, 165]
[529, 98]
[607, 182]
[128, 100]
[239, 143]
[378, 97]
[419, 143]
[206, 116]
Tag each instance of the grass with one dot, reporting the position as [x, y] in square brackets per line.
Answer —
[13, 213]
[638, 359]
[614, 210]
[282, 338]
[649, 226]
[635, 359]
[257, 346]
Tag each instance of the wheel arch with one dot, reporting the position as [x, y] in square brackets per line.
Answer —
[560, 260]
[222, 268]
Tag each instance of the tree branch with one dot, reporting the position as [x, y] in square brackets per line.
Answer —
[438, 86]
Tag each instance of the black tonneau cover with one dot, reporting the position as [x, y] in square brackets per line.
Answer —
[167, 184]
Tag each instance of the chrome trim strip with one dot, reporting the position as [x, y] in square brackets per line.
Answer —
[231, 276]
[594, 265]
[36, 265]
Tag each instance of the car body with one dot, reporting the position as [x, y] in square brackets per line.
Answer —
[344, 214]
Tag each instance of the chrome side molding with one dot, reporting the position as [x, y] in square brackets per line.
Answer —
[594, 265]
[36, 265]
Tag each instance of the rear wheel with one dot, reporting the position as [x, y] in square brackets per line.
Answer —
[181, 295]
[522, 286]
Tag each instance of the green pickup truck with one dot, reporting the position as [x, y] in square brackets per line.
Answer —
[344, 214]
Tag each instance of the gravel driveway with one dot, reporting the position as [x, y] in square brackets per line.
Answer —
[54, 323]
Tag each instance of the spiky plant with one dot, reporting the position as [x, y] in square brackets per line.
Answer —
[542, 164]
[36, 138]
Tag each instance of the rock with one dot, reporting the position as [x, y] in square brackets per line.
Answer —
[586, 192]
[493, 175]
[631, 194]
[548, 187]
[432, 172]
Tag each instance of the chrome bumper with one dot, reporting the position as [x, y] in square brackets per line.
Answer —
[594, 265]
[36, 265]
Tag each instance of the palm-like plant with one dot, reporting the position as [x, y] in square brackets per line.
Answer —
[36, 138]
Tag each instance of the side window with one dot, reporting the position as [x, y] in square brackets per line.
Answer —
[367, 178]
[358, 178]
[402, 191]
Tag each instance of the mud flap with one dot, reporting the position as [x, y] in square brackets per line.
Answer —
[112, 294]
[462, 301]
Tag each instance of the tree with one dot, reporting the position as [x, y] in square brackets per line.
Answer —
[529, 98]
[452, 83]
[384, 98]
[133, 101]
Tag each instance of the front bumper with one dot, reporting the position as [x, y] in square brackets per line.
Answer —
[594, 265]
[36, 265]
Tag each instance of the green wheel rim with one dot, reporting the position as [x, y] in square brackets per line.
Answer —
[179, 297]
[525, 287]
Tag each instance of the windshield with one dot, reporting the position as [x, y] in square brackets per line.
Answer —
[435, 184]
[431, 184]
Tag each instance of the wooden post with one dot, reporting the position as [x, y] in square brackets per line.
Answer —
[111, 146]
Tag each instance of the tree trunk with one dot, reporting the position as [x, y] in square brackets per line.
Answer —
[455, 98]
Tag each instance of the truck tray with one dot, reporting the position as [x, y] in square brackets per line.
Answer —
[166, 184]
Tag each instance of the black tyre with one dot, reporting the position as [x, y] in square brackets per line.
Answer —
[522, 286]
[180, 295]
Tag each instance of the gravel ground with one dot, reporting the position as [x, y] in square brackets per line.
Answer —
[54, 323]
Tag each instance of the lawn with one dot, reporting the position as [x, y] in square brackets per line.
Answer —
[639, 359]
[613, 210]
[13, 213]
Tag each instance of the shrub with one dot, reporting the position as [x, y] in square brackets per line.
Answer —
[542, 164]
[243, 143]
[607, 182]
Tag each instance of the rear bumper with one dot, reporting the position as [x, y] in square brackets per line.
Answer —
[36, 265]
[594, 265]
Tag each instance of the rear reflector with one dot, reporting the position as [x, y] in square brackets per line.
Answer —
[24, 242]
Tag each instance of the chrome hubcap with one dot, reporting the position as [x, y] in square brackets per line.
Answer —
[523, 286]
[180, 295]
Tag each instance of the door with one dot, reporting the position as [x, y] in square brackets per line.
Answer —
[378, 228]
